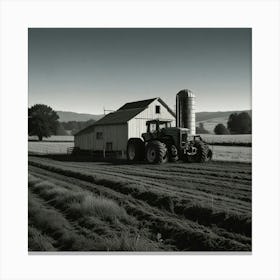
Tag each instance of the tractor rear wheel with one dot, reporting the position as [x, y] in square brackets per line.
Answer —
[156, 152]
[135, 150]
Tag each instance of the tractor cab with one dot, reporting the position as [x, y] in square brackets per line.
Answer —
[162, 129]
[157, 125]
[155, 129]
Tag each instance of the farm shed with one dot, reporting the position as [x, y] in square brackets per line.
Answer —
[111, 133]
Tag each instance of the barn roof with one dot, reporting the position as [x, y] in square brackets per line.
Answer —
[124, 114]
[137, 104]
[120, 116]
[117, 117]
[144, 104]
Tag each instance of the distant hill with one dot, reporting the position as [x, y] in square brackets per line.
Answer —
[65, 116]
[211, 119]
[202, 116]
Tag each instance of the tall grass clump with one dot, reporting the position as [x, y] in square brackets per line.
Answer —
[103, 208]
[81, 204]
[128, 242]
[37, 241]
[55, 225]
[32, 180]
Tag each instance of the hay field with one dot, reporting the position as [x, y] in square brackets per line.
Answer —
[98, 206]
[232, 139]
[54, 138]
[49, 147]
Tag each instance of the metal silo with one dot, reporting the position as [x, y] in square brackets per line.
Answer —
[185, 110]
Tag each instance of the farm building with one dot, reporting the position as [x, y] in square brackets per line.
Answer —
[111, 133]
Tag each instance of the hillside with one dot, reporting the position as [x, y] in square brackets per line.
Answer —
[209, 119]
[65, 116]
[202, 116]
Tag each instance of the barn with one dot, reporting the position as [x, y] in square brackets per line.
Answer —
[110, 134]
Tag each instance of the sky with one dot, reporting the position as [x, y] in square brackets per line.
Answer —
[89, 69]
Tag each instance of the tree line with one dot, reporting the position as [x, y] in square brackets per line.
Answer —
[237, 124]
[72, 127]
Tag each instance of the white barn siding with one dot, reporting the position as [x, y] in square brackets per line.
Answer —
[137, 125]
[116, 134]
[85, 141]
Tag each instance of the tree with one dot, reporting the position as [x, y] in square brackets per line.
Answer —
[240, 123]
[220, 129]
[200, 129]
[42, 121]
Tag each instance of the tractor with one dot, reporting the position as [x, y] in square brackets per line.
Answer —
[162, 143]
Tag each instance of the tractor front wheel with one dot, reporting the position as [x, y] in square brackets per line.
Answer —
[156, 152]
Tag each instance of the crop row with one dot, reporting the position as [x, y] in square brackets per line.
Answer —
[175, 232]
[100, 223]
[203, 214]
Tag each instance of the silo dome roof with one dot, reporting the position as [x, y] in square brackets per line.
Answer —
[185, 93]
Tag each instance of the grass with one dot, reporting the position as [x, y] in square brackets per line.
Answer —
[120, 207]
[59, 234]
[51, 223]
[38, 241]
[55, 223]
[231, 153]
[104, 208]
[54, 138]
[49, 147]
[205, 214]
[231, 139]
[80, 204]
[126, 242]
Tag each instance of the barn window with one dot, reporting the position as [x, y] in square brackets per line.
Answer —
[109, 146]
[99, 135]
[157, 109]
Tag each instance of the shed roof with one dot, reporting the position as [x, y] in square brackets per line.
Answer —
[124, 114]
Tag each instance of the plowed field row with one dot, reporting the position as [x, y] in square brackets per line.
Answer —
[163, 207]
